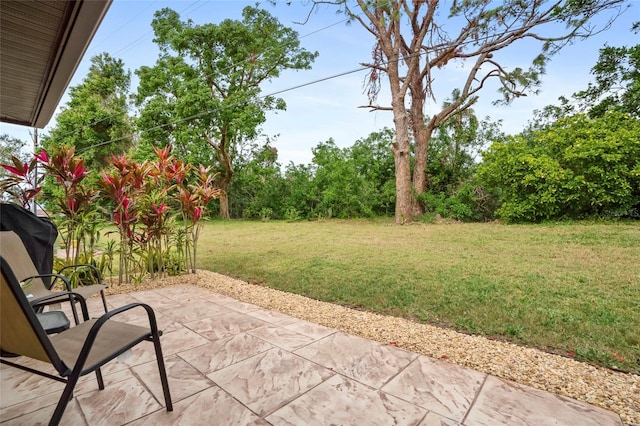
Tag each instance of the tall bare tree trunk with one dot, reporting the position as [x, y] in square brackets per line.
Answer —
[225, 179]
[421, 138]
[410, 38]
[419, 187]
[224, 203]
[226, 174]
[402, 155]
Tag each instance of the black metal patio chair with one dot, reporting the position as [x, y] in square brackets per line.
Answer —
[75, 352]
[13, 250]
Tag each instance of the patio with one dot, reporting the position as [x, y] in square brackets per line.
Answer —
[230, 362]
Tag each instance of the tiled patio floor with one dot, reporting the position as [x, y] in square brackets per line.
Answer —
[231, 363]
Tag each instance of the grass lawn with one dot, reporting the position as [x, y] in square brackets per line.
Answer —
[572, 289]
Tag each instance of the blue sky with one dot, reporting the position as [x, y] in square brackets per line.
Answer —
[330, 108]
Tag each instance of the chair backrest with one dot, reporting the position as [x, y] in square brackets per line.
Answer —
[12, 249]
[20, 331]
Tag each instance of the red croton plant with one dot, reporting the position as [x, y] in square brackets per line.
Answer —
[23, 183]
[144, 201]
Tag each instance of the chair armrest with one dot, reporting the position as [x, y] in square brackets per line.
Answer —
[83, 303]
[150, 313]
[94, 270]
[55, 277]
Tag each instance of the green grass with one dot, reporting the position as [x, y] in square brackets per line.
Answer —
[572, 289]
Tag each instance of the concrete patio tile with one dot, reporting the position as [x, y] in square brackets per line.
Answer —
[117, 300]
[502, 402]
[368, 362]
[433, 419]
[211, 406]
[281, 337]
[185, 294]
[269, 380]
[224, 352]
[117, 405]
[72, 416]
[444, 388]
[230, 367]
[155, 299]
[24, 408]
[195, 311]
[132, 315]
[23, 392]
[140, 354]
[224, 325]
[270, 316]
[184, 380]
[166, 324]
[181, 340]
[232, 303]
[342, 401]
[17, 385]
[89, 383]
[315, 331]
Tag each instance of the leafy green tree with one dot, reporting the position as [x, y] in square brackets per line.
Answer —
[453, 153]
[342, 191]
[454, 149]
[340, 182]
[373, 160]
[412, 47]
[203, 95]
[355, 181]
[257, 188]
[300, 198]
[616, 86]
[617, 82]
[96, 119]
[577, 167]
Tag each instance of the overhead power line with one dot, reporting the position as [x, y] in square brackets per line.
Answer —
[204, 113]
[144, 36]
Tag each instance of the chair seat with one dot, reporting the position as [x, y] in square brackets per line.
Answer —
[114, 337]
[53, 321]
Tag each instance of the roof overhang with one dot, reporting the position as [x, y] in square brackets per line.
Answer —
[41, 46]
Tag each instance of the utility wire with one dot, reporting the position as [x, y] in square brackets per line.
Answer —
[200, 114]
[420, 53]
[228, 69]
[316, 81]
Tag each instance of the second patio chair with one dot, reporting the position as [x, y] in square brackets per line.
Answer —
[13, 250]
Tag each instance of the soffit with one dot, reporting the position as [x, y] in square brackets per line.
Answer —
[41, 45]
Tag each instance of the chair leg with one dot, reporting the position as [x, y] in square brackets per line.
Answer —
[100, 380]
[104, 301]
[75, 312]
[67, 394]
[163, 372]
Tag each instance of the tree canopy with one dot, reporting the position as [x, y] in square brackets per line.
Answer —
[577, 167]
[96, 119]
[203, 95]
[417, 41]
[617, 82]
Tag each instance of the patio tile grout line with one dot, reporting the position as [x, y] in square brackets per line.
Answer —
[475, 398]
